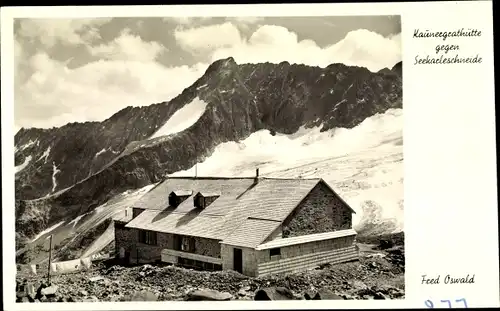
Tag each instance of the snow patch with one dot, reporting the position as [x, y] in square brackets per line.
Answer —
[46, 231]
[21, 167]
[337, 104]
[100, 152]
[182, 118]
[55, 170]
[29, 144]
[76, 220]
[203, 86]
[45, 155]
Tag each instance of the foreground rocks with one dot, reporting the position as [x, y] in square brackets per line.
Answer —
[375, 276]
[208, 295]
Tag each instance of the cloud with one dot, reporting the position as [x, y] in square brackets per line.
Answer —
[270, 43]
[55, 94]
[128, 47]
[245, 19]
[18, 54]
[208, 38]
[186, 20]
[66, 31]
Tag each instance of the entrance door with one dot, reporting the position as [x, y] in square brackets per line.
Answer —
[238, 260]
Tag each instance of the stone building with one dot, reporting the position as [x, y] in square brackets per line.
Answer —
[254, 225]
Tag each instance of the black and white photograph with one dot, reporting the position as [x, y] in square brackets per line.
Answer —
[208, 158]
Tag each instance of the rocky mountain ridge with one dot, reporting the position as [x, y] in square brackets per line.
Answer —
[74, 168]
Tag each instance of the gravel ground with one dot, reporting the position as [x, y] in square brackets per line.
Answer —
[379, 274]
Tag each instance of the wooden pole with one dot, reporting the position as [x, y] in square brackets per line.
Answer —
[196, 170]
[50, 259]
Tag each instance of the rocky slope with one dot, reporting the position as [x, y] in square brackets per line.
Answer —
[70, 170]
[379, 274]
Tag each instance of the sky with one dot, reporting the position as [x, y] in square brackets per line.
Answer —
[77, 70]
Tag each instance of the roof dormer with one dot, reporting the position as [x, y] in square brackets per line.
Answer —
[204, 199]
[176, 197]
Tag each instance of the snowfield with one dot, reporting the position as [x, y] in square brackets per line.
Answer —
[114, 208]
[364, 164]
[100, 152]
[47, 231]
[182, 118]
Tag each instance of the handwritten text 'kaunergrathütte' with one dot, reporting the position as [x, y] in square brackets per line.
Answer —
[447, 53]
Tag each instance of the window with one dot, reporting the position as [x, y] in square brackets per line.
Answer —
[187, 244]
[199, 201]
[184, 243]
[275, 252]
[147, 237]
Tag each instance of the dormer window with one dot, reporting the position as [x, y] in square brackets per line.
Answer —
[204, 199]
[199, 201]
[177, 197]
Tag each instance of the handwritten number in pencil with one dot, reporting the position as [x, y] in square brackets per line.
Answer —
[429, 304]
[462, 300]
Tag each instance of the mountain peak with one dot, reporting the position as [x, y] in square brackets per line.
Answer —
[222, 63]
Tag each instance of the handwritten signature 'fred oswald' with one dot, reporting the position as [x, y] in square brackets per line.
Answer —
[448, 279]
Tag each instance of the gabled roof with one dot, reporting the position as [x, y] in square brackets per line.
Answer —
[270, 200]
[182, 193]
[208, 194]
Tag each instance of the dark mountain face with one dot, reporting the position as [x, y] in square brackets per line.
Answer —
[398, 68]
[97, 160]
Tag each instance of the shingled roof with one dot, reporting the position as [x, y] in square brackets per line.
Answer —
[245, 202]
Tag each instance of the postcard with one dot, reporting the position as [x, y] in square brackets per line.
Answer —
[271, 156]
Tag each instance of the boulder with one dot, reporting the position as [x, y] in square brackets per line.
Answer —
[242, 292]
[380, 296]
[143, 295]
[84, 292]
[326, 294]
[49, 291]
[274, 293]
[208, 295]
[309, 295]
